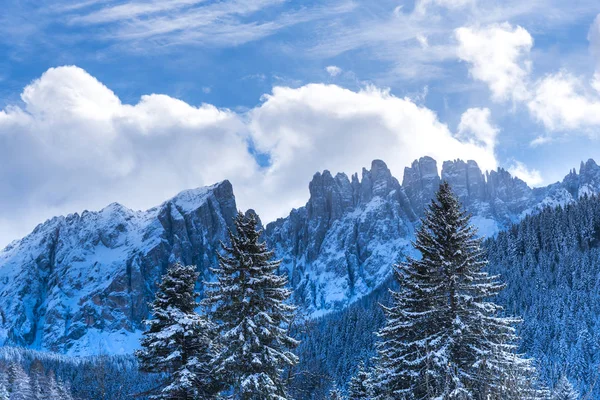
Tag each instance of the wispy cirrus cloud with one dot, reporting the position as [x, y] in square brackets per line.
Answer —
[200, 22]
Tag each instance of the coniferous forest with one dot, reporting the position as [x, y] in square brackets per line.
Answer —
[299, 200]
[511, 317]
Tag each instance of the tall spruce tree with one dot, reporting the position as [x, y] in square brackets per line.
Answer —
[564, 390]
[359, 387]
[249, 302]
[178, 342]
[20, 383]
[4, 394]
[443, 338]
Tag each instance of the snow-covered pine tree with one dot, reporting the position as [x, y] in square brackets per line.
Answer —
[4, 395]
[249, 302]
[443, 338]
[359, 387]
[178, 342]
[336, 394]
[39, 382]
[564, 390]
[20, 384]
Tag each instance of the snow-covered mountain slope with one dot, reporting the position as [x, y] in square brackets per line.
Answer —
[342, 244]
[80, 284]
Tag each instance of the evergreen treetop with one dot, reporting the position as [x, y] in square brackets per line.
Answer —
[249, 301]
[443, 338]
[178, 342]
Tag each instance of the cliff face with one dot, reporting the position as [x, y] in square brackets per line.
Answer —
[80, 284]
[341, 244]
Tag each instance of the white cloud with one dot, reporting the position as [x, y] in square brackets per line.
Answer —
[561, 102]
[333, 71]
[422, 5]
[422, 39]
[475, 126]
[319, 127]
[74, 145]
[498, 55]
[161, 24]
[531, 176]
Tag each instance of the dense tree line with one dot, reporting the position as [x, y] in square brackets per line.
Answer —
[95, 377]
[551, 265]
[441, 329]
[443, 337]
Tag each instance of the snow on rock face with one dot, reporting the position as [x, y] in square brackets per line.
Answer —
[421, 181]
[342, 244]
[81, 283]
[87, 279]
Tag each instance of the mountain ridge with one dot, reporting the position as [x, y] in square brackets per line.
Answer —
[80, 283]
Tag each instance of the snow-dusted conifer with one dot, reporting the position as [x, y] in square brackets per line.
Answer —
[249, 302]
[20, 384]
[564, 390]
[178, 342]
[359, 387]
[443, 338]
[4, 395]
[336, 394]
[39, 381]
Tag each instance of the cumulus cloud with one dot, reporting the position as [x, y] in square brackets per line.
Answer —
[561, 102]
[319, 127]
[73, 145]
[498, 55]
[531, 176]
[333, 71]
[475, 126]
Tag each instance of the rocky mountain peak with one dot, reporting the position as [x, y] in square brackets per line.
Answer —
[378, 181]
[82, 283]
[466, 179]
[420, 182]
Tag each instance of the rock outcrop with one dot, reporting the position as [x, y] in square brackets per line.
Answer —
[82, 283]
[341, 244]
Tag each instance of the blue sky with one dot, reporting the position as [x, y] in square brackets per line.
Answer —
[134, 101]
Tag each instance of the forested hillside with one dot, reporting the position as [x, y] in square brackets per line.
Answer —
[551, 265]
[49, 376]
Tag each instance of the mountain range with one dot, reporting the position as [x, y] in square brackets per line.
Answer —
[80, 284]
